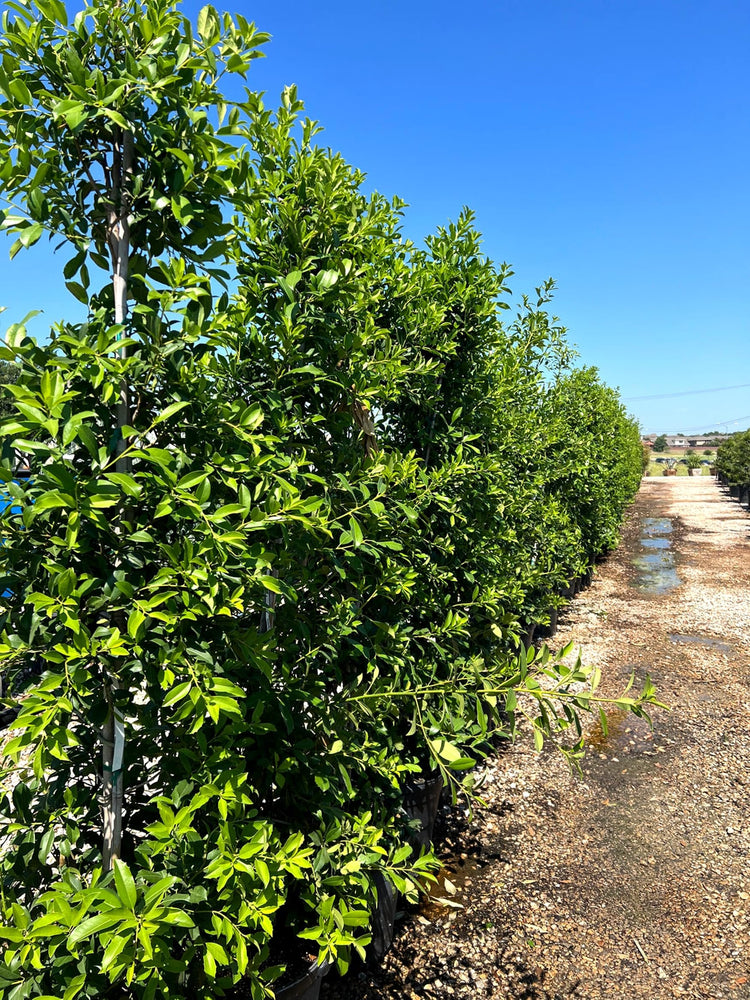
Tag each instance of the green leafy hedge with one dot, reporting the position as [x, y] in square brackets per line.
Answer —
[296, 488]
[733, 459]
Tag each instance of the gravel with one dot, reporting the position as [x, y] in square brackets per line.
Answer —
[633, 880]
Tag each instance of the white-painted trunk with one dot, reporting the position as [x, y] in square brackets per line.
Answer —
[113, 730]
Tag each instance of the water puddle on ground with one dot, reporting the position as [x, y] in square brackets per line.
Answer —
[454, 880]
[655, 543]
[701, 640]
[657, 526]
[625, 734]
[655, 562]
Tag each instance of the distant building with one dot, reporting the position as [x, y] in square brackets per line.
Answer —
[682, 441]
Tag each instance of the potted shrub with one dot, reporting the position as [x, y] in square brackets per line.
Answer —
[693, 463]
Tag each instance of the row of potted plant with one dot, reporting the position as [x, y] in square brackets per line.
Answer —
[297, 492]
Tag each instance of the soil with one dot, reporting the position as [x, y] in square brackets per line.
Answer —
[632, 881]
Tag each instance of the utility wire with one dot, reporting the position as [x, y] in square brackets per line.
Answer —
[713, 424]
[688, 392]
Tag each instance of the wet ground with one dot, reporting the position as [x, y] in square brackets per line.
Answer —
[634, 881]
[655, 559]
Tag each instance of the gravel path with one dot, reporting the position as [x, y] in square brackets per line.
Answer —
[634, 881]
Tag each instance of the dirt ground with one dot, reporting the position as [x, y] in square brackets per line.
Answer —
[633, 881]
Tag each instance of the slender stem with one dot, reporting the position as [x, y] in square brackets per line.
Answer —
[113, 730]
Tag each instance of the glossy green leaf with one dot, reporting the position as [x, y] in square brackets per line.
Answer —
[125, 884]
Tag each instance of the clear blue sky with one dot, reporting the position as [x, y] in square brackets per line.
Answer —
[604, 143]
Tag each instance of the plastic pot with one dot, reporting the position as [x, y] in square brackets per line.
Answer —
[547, 631]
[421, 802]
[307, 987]
[383, 919]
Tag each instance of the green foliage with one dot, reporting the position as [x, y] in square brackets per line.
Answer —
[297, 574]
[8, 376]
[733, 458]
[661, 444]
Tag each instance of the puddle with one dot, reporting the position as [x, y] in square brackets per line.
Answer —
[655, 563]
[626, 734]
[655, 543]
[701, 640]
[657, 526]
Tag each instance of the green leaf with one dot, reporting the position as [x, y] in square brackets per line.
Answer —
[170, 411]
[125, 884]
[462, 764]
[177, 693]
[218, 952]
[32, 235]
[327, 279]
[135, 619]
[209, 964]
[75, 987]
[191, 479]
[116, 117]
[288, 283]
[356, 532]
[93, 925]
[116, 944]
[45, 845]
[53, 10]
[78, 291]
[74, 264]
[178, 918]
[445, 751]
[50, 501]
[209, 26]
[66, 583]
[251, 417]
[19, 91]
[129, 485]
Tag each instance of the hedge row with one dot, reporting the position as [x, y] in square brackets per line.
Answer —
[733, 460]
[280, 532]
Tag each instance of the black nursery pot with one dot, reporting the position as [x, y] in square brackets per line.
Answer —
[570, 590]
[383, 920]
[547, 631]
[307, 987]
[421, 802]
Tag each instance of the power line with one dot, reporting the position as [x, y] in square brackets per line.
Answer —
[688, 392]
[716, 423]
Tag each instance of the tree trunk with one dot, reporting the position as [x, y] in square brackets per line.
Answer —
[113, 730]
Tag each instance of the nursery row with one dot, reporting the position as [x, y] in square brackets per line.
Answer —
[733, 464]
[284, 509]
